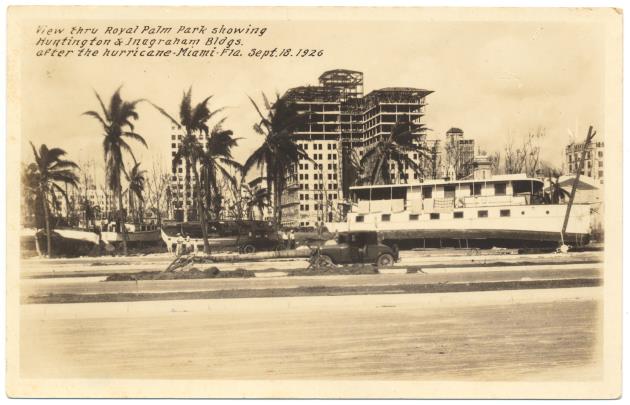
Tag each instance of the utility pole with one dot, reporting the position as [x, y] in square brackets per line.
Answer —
[589, 138]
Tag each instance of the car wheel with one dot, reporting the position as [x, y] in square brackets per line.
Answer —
[249, 249]
[324, 261]
[385, 260]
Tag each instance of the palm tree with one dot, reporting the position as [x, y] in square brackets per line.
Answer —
[137, 180]
[194, 120]
[32, 206]
[216, 161]
[278, 150]
[89, 210]
[395, 148]
[556, 192]
[354, 171]
[117, 129]
[49, 172]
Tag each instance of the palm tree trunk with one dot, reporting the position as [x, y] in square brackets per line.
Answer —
[378, 169]
[201, 213]
[48, 230]
[277, 210]
[121, 217]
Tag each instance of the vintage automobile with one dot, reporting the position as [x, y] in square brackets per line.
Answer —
[257, 241]
[355, 248]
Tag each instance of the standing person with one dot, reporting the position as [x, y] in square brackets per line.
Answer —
[291, 239]
[189, 247]
[180, 245]
[285, 240]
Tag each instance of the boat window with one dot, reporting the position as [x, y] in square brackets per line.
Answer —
[414, 217]
[475, 189]
[435, 215]
[449, 191]
[427, 192]
[360, 218]
[386, 217]
[458, 214]
[499, 189]
[482, 214]
[505, 213]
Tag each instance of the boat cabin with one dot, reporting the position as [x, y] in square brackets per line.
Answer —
[437, 195]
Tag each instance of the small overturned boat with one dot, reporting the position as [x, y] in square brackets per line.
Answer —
[65, 242]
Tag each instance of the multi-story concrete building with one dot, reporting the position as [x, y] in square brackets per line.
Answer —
[183, 195]
[459, 154]
[343, 121]
[593, 163]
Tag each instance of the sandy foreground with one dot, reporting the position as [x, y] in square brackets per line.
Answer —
[518, 326]
[506, 335]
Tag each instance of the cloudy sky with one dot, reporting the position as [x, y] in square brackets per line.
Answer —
[496, 80]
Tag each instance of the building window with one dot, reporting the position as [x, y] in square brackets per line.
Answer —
[386, 217]
[434, 215]
[360, 218]
[504, 213]
[427, 192]
[499, 189]
[482, 214]
[458, 214]
[414, 217]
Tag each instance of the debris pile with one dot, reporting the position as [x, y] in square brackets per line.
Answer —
[336, 270]
[189, 274]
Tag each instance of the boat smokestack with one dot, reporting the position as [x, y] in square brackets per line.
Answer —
[482, 167]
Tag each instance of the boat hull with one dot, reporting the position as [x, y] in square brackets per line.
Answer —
[132, 237]
[69, 243]
[500, 226]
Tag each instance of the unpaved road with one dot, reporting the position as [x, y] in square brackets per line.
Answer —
[506, 335]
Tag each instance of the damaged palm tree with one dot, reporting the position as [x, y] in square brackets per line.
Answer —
[395, 149]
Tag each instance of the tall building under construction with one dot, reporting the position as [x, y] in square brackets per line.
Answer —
[343, 123]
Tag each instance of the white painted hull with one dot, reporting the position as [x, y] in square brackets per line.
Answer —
[527, 222]
[143, 236]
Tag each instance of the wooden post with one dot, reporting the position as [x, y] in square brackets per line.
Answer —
[589, 137]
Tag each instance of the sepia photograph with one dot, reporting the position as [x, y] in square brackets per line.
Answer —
[325, 202]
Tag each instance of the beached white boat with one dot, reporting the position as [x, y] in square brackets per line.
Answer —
[140, 233]
[499, 210]
[65, 242]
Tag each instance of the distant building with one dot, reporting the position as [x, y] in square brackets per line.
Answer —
[459, 153]
[183, 195]
[593, 162]
[342, 122]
